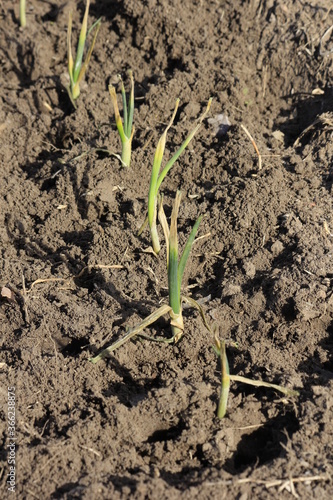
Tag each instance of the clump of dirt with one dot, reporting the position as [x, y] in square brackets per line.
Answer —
[143, 423]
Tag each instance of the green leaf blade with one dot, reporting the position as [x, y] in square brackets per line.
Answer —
[130, 106]
[184, 145]
[174, 290]
[81, 44]
[186, 252]
[125, 116]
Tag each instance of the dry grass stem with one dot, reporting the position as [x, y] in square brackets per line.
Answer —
[254, 145]
[74, 276]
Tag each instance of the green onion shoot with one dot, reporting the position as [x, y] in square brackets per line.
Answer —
[23, 20]
[125, 128]
[157, 178]
[78, 68]
[220, 349]
[175, 267]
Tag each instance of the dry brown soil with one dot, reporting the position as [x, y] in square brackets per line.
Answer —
[142, 423]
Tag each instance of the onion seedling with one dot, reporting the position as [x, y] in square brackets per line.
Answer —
[23, 20]
[220, 350]
[176, 269]
[175, 274]
[225, 377]
[126, 129]
[157, 178]
[78, 68]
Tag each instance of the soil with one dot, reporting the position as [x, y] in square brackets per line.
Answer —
[142, 423]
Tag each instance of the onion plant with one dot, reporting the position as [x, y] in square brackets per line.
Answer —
[157, 178]
[175, 269]
[78, 68]
[125, 129]
[220, 350]
[23, 20]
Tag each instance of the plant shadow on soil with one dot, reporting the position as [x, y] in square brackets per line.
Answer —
[255, 449]
[318, 371]
[308, 112]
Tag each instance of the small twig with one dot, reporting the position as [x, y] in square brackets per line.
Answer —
[254, 145]
[74, 276]
[90, 449]
[279, 482]
[289, 484]
[271, 483]
[327, 14]
[147, 142]
[44, 427]
[202, 237]
[323, 119]
[32, 494]
[323, 39]
[305, 131]
[247, 427]
[47, 280]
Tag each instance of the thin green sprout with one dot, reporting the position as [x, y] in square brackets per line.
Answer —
[176, 269]
[126, 129]
[78, 68]
[225, 378]
[220, 350]
[23, 20]
[157, 178]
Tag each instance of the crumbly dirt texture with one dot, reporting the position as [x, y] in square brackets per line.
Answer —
[142, 423]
